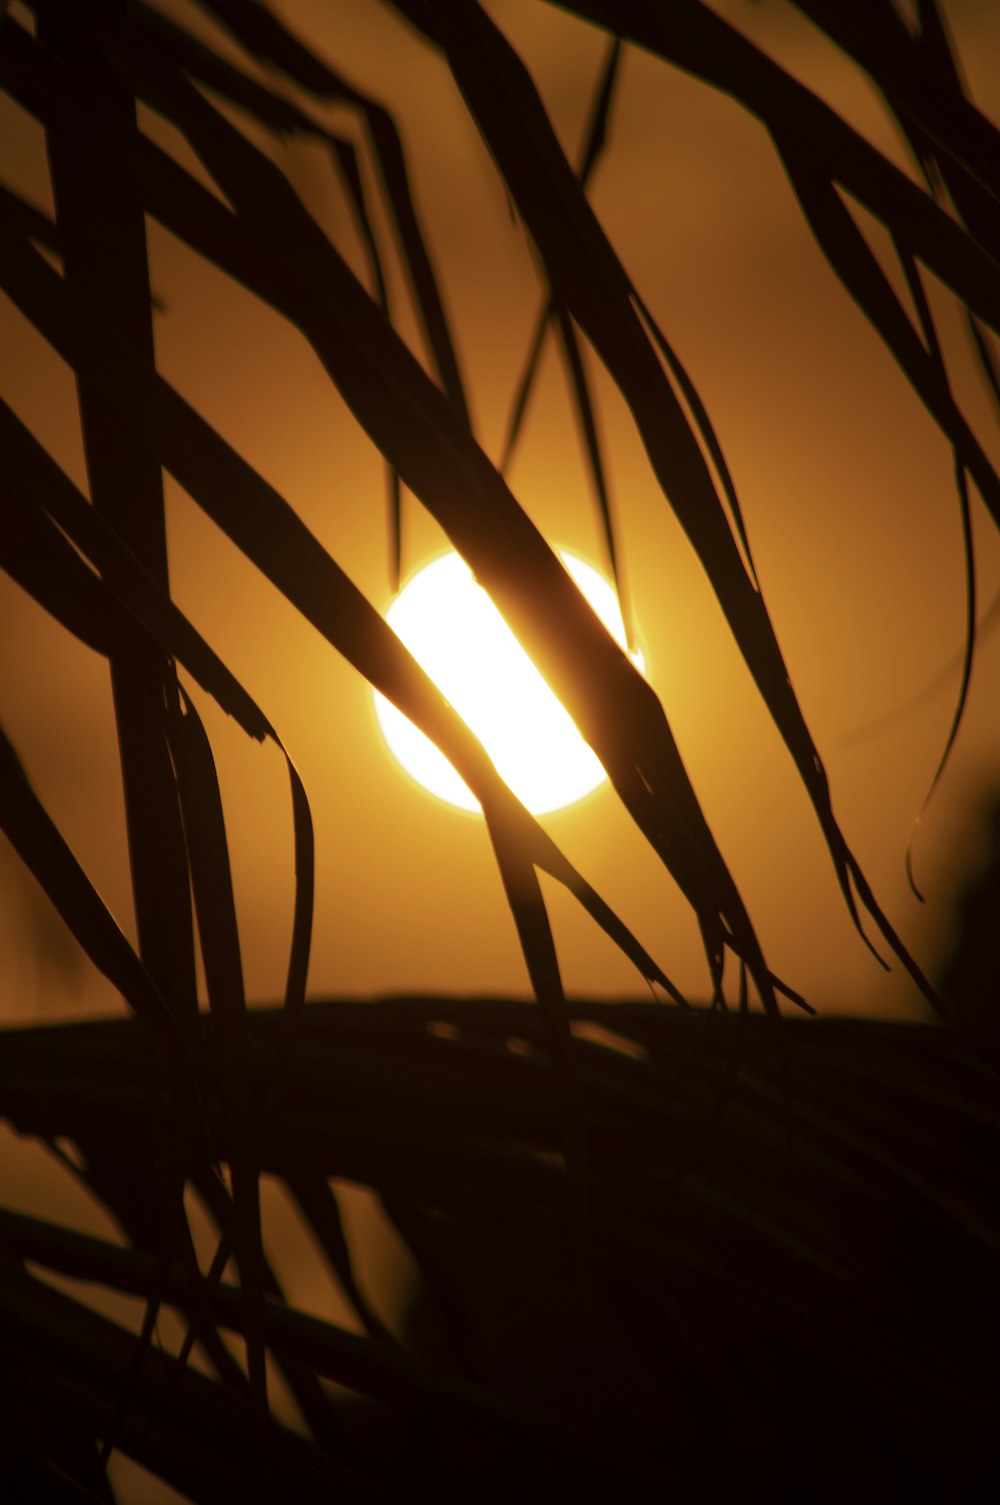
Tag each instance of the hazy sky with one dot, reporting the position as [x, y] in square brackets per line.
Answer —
[846, 487]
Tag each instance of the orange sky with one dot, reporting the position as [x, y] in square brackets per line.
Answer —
[846, 488]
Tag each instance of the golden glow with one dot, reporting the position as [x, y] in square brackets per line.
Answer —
[458, 636]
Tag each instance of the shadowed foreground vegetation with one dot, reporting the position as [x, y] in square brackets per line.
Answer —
[660, 1247]
[777, 1275]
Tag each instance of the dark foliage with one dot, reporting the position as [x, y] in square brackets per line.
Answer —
[660, 1247]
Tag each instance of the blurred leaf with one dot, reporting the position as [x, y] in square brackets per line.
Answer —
[203, 1440]
[524, 895]
[939, 682]
[441, 1400]
[26, 219]
[318, 1204]
[933, 344]
[895, 1132]
[917, 91]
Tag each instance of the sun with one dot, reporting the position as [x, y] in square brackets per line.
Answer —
[458, 636]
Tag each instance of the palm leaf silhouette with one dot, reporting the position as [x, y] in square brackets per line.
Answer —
[753, 1224]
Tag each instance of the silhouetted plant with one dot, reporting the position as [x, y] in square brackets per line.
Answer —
[969, 978]
[660, 1246]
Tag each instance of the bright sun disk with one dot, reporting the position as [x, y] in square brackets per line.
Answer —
[459, 638]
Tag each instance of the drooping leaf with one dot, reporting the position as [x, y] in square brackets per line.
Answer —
[318, 1204]
[215, 907]
[919, 92]
[595, 140]
[585, 272]
[587, 417]
[502, 807]
[264, 37]
[205, 1441]
[694, 37]
[216, 477]
[125, 597]
[28, 220]
[933, 50]
[458, 1135]
[703, 423]
[933, 344]
[104, 256]
[285, 118]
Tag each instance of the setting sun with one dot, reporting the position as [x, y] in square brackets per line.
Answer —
[458, 636]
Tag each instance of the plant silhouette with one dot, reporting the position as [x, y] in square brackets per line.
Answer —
[660, 1246]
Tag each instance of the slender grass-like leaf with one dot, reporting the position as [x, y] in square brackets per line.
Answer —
[381, 1370]
[693, 37]
[522, 394]
[663, 1248]
[231, 158]
[703, 423]
[530, 935]
[203, 1327]
[974, 203]
[105, 260]
[732, 1253]
[587, 418]
[39, 558]
[595, 140]
[136, 599]
[917, 91]
[294, 579]
[291, 557]
[514, 581]
[933, 345]
[584, 269]
[987, 358]
[358, 1074]
[284, 118]
[318, 1204]
[32, 481]
[264, 37]
[215, 907]
[527, 904]
[854, 262]
[147, 605]
[205, 1441]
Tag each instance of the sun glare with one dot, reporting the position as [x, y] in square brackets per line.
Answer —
[458, 636]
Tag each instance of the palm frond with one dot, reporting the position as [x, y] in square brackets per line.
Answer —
[658, 1245]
